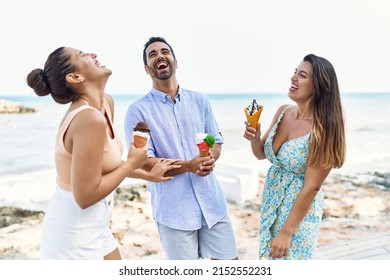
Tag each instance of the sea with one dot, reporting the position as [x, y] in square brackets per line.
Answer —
[27, 173]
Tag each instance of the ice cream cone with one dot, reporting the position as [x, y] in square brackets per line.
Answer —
[141, 134]
[204, 153]
[254, 119]
[204, 142]
[140, 141]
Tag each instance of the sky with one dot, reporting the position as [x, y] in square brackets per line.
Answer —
[222, 46]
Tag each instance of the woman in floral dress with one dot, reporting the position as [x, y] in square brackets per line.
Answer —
[303, 143]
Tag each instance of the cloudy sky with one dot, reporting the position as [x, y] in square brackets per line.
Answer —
[222, 46]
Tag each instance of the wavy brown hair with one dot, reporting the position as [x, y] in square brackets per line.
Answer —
[327, 148]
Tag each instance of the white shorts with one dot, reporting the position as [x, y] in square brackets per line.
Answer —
[72, 233]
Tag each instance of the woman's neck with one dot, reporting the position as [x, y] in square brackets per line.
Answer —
[96, 102]
[304, 113]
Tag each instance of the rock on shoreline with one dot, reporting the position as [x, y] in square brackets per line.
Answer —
[14, 215]
[10, 107]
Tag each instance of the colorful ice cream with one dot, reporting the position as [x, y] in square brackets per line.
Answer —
[204, 142]
[141, 134]
[253, 112]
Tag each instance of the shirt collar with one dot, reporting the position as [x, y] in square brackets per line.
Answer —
[163, 97]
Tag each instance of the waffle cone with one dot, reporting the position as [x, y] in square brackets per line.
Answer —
[140, 141]
[254, 119]
[204, 153]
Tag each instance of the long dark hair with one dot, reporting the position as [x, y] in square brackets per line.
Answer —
[327, 147]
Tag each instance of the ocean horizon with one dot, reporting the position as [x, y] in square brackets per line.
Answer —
[27, 173]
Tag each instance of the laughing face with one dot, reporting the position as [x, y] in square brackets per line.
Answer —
[160, 61]
[87, 64]
[302, 82]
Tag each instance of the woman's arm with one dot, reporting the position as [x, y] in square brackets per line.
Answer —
[87, 134]
[158, 171]
[195, 165]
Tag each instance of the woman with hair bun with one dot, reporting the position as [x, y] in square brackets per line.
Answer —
[87, 158]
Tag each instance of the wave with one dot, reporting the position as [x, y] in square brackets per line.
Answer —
[31, 190]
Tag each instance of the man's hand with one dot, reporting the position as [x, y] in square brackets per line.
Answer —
[207, 166]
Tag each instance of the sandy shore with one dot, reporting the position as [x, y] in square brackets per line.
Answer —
[353, 211]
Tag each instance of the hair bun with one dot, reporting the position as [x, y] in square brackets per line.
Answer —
[37, 81]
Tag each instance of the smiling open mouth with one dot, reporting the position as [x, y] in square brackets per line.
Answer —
[161, 65]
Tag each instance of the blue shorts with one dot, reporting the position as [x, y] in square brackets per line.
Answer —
[218, 242]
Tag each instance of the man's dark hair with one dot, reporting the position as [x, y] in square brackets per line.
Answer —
[153, 40]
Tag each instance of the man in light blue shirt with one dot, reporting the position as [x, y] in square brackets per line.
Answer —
[190, 210]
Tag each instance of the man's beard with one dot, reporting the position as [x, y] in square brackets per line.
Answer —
[165, 75]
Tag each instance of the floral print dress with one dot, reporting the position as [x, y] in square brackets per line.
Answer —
[283, 183]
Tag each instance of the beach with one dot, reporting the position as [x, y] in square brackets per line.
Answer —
[352, 211]
[356, 195]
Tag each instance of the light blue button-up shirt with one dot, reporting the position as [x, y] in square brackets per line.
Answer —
[181, 202]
